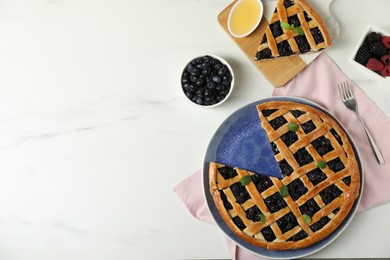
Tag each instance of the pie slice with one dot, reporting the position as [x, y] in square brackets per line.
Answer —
[294, 28]
[321, 181]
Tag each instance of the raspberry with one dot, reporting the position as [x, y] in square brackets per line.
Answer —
[385, 72]
[378, 49]
[386, 59]
[386, 41]
[374, 64]
[363, 54]
[372, 37]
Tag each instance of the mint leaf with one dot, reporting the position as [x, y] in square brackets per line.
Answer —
[283, 192]
[292, 127]
[245, 180]
[306, 218]
[263, 219]
[321, 164]
[285, 25]
[298, 30]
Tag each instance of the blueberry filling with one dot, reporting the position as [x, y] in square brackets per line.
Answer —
[227, 172]
[287, 222]
[303, 157]
[296, 189]
[264, 54]
[278, 122]
[268, 234]
[287, 3]
[289, 138]
[274, 148]
[284, 48]
[309, 208]
[226, 203]
[302, 43]
[347, 180]
[276, 29]
[308, 127]
[239, 222]
[275, 202]
[298, 236]
[294, 20]
[330, 193]
[320, 224]
[285, 168]
[240, 192]
[336, 135]
[264, 40]
[316, 176]
[297, 113]
[262, 182]
[322, 145]
[268, 112]
[307, 17]
[336, 165]
[253, 214]
[317, 35]
[336, 211]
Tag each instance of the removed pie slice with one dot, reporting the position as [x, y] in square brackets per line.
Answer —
[294, 28]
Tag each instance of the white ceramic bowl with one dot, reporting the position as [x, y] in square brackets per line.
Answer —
[203, 87]
[369, 72]
[255, 25]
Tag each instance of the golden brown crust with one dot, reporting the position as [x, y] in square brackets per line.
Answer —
[299, 8]
[334, 211]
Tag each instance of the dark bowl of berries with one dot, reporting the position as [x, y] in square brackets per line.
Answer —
[207, 81]
[373, 53]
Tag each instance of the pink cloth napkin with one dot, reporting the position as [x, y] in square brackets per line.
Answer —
[318, 83]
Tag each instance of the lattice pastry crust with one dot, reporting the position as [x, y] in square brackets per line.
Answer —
[257, 213]
[278, 41]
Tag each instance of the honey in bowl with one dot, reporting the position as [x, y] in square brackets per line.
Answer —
[244, 17]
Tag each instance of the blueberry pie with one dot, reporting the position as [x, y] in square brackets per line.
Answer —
[294, 28]
[321, 181]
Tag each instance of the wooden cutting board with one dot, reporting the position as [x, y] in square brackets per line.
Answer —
[281, 70]
[278, 71]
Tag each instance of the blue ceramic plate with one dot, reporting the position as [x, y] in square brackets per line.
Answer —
[241, 142]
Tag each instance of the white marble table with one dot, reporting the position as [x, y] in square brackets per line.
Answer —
[94, 131]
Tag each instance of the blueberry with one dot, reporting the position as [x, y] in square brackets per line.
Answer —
[220, 87]
[220, 98]
[216, 79]
[185, 80]
[221, 71]
[195, 71]
[207, 93]
[210, 85]
[191, 88]
[189, 95]
[200, 92]
[199, 101]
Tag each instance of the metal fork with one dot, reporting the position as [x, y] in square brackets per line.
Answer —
[350, 102]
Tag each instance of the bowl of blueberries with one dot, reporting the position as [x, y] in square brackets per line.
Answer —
[207, 81]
